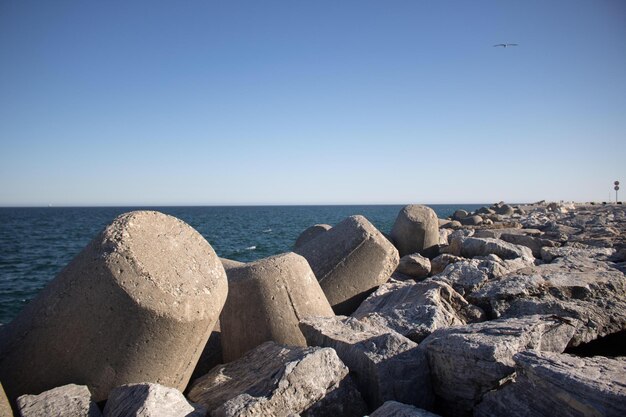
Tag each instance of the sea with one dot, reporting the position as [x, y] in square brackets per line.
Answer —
[37, 242]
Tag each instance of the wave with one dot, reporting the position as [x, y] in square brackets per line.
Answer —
[251, 248]
[267, 230]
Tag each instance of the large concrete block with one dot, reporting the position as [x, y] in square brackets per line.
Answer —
[384, 364]
[136, 305]
[266, 300]
[311, 233]
[416, 231]
[350, 261]
[277, 380]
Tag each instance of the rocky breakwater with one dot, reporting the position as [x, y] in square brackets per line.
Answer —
[508, 310]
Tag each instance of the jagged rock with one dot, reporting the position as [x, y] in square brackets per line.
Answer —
[497, 233]
[266, 300]
[311, 233]
[474, 246]
[548, 254]
[396, 409]
[67, 401]
[415, 231]
[415, 310]
[464, 275]
[454, 224]
[468, 361]
[587, 290]
[385, 365]
[533, 243]
[471, 221]
[279, 380]
[138, 303]
[460, 214]
[350, 261]
[150, 400]
[568, 385]
[443, 236]
[414, 265]
[438, 264]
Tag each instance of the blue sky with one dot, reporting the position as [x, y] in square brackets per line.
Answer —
[305, 102]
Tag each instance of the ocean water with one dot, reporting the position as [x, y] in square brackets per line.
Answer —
[36, 243]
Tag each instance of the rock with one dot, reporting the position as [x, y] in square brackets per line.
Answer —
[548, 254]
[470, 247]
[574, 386]
[485, 210]
[505, 210]
[279, 380]
[497, 233]
[414, 265]
[464, 275]
[557, 208]
[311, 233]
[66, 401]
[350, 261]
[443, 236]
[415, 310]
[533, 243]
[460, 214]
[5, 405]
[589, 292]
[471, 221]
[396, 409]
[454, 224]
[150, 400]
[415, 231]
[385, 365]
[438, 264]
[266, 300]
[468, 361]
[138, 303]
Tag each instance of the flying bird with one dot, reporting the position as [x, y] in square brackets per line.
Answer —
[505, 45]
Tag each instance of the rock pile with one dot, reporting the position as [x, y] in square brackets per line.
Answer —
[507, 310]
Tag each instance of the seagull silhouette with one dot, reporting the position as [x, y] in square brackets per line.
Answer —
[505, 45]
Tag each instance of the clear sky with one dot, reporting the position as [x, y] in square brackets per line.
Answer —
[304, 102]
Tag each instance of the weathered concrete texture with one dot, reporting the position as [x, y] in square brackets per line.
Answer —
[350, 261]
[589, 291]
[5, 405]
[468, 361]
[266, 300]
[415, 310]
[66, 401]
[150, 400]
[211, 354]
[414, 265]
[136, 305]
[385, 365]
[416, 231]
[396, 409]
[229, 264]
[311, 233]
[565, 385]
[278, 381]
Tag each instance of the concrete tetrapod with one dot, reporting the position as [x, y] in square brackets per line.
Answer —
[416, 231]
[266, 301]
[350, 261]
[136, 305]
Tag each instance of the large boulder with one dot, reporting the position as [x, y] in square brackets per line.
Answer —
[350, 261]
[468, 361]
[415, 310]
[415, 231]
[150, 400]
[67, 401]
[414, 265]
[385, 365]
[547, 383]
[533, 243]
[311, 233]
[266, 300]
[470, 247]
[137, 304]
[396, 409]
[280, 381]
[471, 220]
